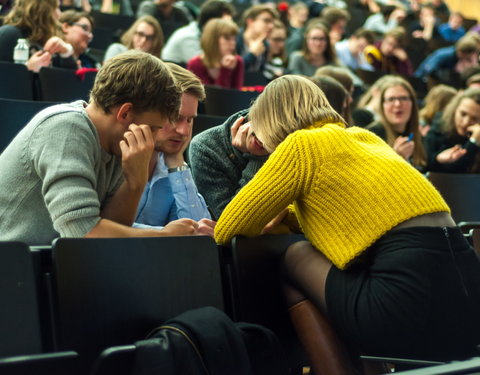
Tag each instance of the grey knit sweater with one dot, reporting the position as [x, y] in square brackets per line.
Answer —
[219, 169]
[54, 177]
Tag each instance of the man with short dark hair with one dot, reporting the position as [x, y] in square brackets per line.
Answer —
[78, 169]
[350, 51]
[252, 45]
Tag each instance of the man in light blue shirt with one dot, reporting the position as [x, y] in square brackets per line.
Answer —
[170, 193]
[350, 51]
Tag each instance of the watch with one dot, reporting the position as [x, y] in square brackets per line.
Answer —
[183, 167]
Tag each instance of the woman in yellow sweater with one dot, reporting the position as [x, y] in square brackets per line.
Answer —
[384, 259]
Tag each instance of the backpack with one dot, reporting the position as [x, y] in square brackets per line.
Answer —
[205, 341]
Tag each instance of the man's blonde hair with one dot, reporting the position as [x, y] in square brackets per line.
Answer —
[287, 104]
[187, 81]
[139, 78]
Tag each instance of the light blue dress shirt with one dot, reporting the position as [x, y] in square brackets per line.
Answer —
[168, 197]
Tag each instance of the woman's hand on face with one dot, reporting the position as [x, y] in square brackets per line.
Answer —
[474, 130]
[451, 155]
[229, 61]
[239, 132]
[39, 60]
[400, 54]
[404, 147]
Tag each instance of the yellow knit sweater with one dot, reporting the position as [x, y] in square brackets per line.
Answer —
[347, 185]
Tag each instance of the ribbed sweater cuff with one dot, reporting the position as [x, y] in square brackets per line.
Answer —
[76, 224]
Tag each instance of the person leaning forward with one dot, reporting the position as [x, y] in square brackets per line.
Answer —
[79, 169]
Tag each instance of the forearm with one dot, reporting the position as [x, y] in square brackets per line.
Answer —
[122, 207]
[107, 228]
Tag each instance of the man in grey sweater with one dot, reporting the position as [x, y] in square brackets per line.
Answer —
[224, 159]
[78, 169]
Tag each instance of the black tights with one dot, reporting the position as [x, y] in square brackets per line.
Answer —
[306, 271]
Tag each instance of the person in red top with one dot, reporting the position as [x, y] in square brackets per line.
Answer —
[219, 64]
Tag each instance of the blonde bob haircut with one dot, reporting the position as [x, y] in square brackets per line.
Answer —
[158, 37]
[287, 104]
[209, 42]
[36, 17]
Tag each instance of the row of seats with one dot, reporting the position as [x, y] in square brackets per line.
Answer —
[82, 296]
[17, 113]
[64, 85]
[84, 302]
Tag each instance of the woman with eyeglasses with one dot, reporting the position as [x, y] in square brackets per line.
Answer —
[317, 51]
[77, 30]
[37, 22]
[398, 121]
[383, 260]
[144, 35]
[453, 142]
[219, 63]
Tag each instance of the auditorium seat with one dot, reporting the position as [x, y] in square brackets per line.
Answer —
[63, 85]
[225, 102]
[113, 291]
[16, 81]
[461, 192]
[15, 115]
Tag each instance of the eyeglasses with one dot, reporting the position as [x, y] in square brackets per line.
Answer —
[401, 99]
[143, 35]
[278, 40]
[85, 28]
[318, 39]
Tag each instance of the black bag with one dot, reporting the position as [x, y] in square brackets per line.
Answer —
[205, 341]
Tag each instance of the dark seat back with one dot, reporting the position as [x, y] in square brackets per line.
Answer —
[257, 295]
[63, 85]
[117, 23]
[15, 114]
[20, 316]
[114, 291]
[461, 192]
[16, 81]
[225, 102]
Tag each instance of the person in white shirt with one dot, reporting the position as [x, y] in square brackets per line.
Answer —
[184, 43]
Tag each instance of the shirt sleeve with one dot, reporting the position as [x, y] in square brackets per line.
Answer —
[188, 201]
[66, 155]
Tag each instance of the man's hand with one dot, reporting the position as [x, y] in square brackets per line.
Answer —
[404, 147]
[181, 227]
[137, 148]
[256, 45]
[451, 155]
[206, 227]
